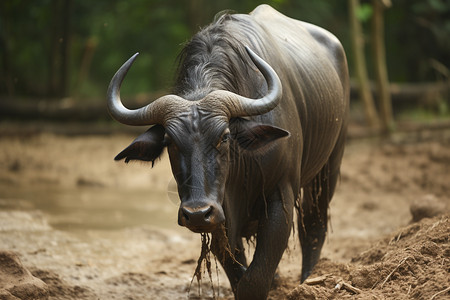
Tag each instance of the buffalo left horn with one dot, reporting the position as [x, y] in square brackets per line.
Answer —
[243, 106]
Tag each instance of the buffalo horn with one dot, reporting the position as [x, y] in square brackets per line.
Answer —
[242, 106]
[152, 113]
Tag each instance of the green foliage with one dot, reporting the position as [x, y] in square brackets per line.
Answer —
[418, 35]
[105, 33]
[364, 12]
[435, 17]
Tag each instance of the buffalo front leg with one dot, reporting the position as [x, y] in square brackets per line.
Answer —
[274, 227]
[234, 266]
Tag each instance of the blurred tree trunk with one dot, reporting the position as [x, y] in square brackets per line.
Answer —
[53, 55]
[357, 38]
[6, 75]
[7, 71]
[202, 12]
[379, 60]
[86, 62]
[65, 47]
[59, 49]
[198, 14]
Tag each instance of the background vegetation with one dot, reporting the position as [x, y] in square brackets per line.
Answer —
[71, 48]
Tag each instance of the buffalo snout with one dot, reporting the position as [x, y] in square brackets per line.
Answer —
[200, 217]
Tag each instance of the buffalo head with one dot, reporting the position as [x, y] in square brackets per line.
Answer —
[199, 136]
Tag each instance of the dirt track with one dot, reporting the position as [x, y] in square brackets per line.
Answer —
[112, 253]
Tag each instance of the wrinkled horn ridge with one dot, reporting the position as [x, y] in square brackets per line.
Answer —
[153, 113]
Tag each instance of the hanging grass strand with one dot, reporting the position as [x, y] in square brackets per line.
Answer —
[204, 263]
[205, 256]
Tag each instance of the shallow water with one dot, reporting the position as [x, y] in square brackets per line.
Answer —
[94, 208]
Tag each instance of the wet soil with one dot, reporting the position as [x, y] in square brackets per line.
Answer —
[74, 224]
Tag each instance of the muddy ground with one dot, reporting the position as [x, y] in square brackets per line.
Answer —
[74, 224]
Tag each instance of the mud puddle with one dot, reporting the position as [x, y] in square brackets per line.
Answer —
[76, 210]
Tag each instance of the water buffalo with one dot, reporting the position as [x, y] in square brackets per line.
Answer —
[255, 127]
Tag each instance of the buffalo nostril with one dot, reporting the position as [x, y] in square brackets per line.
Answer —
[208, 212]
[185, 213]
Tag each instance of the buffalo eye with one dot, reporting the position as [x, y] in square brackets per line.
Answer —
[224, 138]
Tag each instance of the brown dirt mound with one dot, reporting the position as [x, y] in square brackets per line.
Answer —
[413, 263]
[59, 289]
[16, 282]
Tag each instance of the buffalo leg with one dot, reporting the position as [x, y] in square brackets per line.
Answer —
[313, 211]
[234, 266]
[272, 237]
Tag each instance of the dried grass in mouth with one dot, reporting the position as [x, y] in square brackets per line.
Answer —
[205, 259]
[220, 241]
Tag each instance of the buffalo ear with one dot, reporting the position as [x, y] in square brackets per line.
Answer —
[146, 147]
[254, 136]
